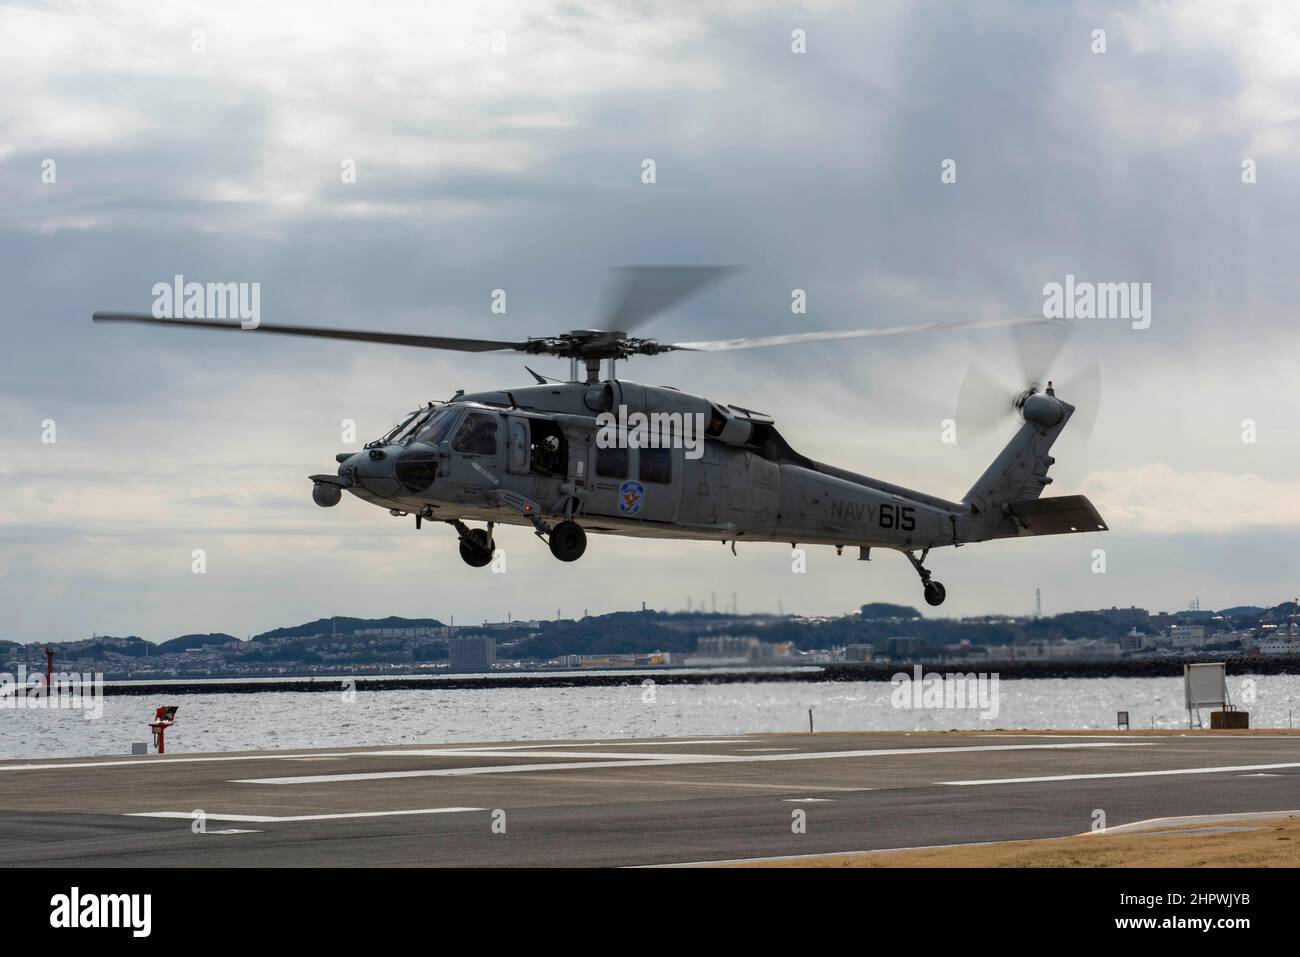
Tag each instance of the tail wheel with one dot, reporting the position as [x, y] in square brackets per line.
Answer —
[934, 593]
[476, 548]
[568, 541]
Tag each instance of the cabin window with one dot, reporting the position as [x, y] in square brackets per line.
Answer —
[611, 463]
[477, 435]
[656, 465]
[549, 452]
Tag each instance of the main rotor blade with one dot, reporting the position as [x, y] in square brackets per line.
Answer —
[983, 403]
[322, 332]
[642, 292]
[759, 342]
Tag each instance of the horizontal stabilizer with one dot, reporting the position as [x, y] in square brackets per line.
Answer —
[1052, 516]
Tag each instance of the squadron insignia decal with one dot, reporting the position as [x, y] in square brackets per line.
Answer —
[631, 496]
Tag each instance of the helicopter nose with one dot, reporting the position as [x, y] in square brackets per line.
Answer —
[373, 470]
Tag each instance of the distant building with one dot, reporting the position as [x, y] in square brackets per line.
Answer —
[420, 631]
[1182, 637]
[903, 647]
[1276, 646]
[858, 652]
[1130, 616]
[727, 646]
[474, 653]
[1133, 641]
[631, 660]
[735, 650]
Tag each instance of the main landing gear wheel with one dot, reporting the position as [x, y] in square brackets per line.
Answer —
[934, 592]
[568, 541]
[476, 548]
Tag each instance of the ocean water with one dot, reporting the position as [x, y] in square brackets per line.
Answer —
[232, 722]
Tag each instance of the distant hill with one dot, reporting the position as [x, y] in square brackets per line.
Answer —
[135, 647]
[186, 642]
[1252, 610]
[345, 626]
[620, 633]
[883, 611]
[1279, 614]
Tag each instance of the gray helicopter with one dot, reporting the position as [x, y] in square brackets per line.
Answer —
[609, 456]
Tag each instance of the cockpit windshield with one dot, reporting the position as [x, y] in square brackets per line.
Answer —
[400, 427]
[437, 427]
[430, 424]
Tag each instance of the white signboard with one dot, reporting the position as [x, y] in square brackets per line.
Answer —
[1205, 685]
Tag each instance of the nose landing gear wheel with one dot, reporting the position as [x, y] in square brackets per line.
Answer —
[934, 593]
[568, 541]
[476, 548]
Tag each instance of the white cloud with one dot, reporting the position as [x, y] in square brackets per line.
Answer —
[1157, 499]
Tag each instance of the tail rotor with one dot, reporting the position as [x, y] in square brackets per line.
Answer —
[987, 398]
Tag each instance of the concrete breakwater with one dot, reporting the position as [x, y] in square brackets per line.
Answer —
[1007, 670]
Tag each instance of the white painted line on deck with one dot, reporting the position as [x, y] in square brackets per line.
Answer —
[614, 761]
[1133, 826]
[1165, 735]
[526, 746]
[661, 743]
[268, 819]
[456, 772]
[1153, 822]
[812, 857]
[655, 756]
[154, 761]
[146, 761]
[1122, 774]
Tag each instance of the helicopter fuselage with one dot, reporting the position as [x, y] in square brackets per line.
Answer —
[567, 452]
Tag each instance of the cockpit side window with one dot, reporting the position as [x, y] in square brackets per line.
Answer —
[717, 422]
[477, 434]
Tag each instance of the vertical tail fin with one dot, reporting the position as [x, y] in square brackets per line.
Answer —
[1019, 473]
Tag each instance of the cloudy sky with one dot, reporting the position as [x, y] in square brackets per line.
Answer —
[500, 145]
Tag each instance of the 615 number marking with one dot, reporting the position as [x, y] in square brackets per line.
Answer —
[902, 517]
